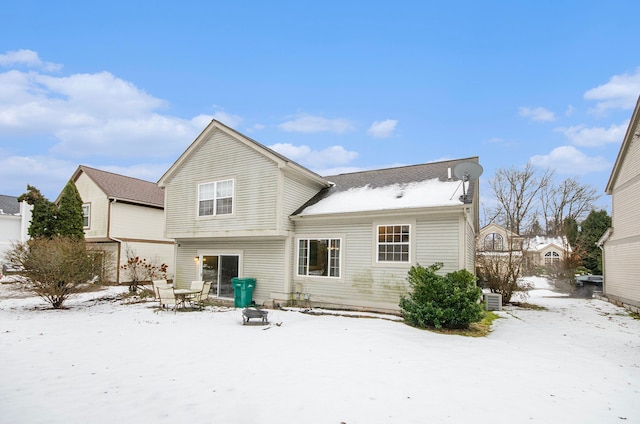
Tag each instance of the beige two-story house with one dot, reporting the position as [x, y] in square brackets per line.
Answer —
[124, 216]
[621, 243]
[236, 208]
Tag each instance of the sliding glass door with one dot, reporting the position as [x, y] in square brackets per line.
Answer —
[220, 270]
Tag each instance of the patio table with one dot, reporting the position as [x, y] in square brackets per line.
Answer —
[184, 294]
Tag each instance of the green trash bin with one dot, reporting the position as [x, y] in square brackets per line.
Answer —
[243, 291]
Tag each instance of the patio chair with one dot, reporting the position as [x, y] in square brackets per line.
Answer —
[199, 298]
[167, 298]
[159, 283]
[203, 295]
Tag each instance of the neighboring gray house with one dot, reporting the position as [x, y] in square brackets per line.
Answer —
[15, 219]
[236, 208]
[123, 213]
[621, 243]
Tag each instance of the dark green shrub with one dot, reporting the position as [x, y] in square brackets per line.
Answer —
[450, 301]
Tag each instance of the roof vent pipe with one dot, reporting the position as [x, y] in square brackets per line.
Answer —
[449, 173]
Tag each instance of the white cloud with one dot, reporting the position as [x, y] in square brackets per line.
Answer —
[314, 124]
[538, 114]
[228, 119]
[382, 129]
[621, 92]
[569, 160]
[596, 136]
[255, 127]
[93, 114]
[570, 110]
[46, 173]
[27, 58]
[315, 159]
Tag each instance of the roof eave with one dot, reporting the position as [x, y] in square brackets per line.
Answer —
[383, 212]
[626, 142]
[135, 202]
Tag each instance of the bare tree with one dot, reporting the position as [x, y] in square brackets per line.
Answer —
[501, 271]
[517, 194]
[569, 200]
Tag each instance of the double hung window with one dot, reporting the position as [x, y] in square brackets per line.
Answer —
[86, 215]
[319, 257]
[393, 243]
[215, 198]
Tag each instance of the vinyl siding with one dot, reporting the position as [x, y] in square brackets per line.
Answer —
[470, 255]
[137, 222]
[622, 270]
[92, 194]
[622, 250]
[365, 283]
[222, 157]
[625, 207]
[263, 260]
[154, 253]
[296, 194]
[630, 168]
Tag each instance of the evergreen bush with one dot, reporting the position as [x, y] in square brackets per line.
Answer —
[449, 301]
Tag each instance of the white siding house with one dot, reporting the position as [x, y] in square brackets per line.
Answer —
[621, 243]
[15, 219]
[123, 214]
[236, 208]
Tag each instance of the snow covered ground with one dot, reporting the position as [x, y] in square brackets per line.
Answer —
[102, 361]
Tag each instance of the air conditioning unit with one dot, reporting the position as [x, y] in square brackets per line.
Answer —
[493, 301]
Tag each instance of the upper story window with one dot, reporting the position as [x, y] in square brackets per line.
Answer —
[215, 198]
[493, 242]
[86, 215]
[551, 258]
[319, 257]
[393, 243]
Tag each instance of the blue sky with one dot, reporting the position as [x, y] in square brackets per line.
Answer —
[335, 86]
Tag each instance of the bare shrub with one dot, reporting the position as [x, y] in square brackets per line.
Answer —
[502, 272]
[139, 270]
[53, 268]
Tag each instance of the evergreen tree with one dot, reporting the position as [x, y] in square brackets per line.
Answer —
[592, 228]
[570, 229]
[70, 218]
[43, 216]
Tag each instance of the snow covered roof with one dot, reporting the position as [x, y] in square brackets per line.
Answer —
[537, 243]
[416, 186]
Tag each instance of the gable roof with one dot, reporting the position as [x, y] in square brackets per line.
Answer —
[123, 188]
[538, 243]
[414, 186]
[495, 228]
[9, 205]
[626, 142]
[214, 126]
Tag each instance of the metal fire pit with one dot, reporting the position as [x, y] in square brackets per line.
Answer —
[253, 312]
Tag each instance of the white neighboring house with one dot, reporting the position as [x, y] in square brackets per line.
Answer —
[239, 209]
[123, 213]
[15, 219]
[621, 243]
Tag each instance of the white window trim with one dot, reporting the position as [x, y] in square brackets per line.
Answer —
[216, 215]
[374, 243]
[88, 206]
[320, 237]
